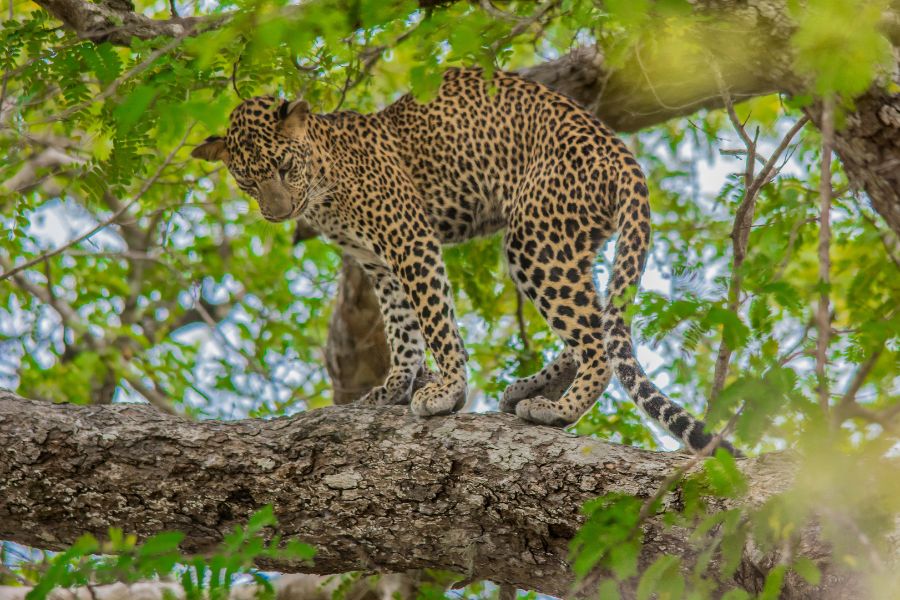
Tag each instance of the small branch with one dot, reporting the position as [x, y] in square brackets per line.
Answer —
[488, 7]
[112, 87]
[66, 312]
[110, 220]
[888, 239]
[743, 221]
[860, 377]
[100, 23]
[789, 248]
[823, 312]
[153, 396]
[767, 172]
[522, 24]
[520, 318]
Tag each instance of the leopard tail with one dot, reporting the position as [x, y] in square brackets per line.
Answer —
[632, 247]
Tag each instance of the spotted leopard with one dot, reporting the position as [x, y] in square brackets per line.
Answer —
[392, 186]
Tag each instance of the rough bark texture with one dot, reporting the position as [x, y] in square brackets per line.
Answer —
[869, 148]
[103, 23]
[488, 496]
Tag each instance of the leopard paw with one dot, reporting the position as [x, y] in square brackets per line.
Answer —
[543, 411]
[515, 393]
[437, 399]
[385, 395]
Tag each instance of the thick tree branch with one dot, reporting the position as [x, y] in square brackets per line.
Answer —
[101, 23]
[488, 496]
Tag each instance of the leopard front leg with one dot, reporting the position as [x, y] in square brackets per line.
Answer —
[420, 269]
[403, 335]
[389, 217]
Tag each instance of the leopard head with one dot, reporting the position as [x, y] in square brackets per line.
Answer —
[266, 149]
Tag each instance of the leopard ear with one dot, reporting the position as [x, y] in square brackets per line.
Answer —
[213, 149]
[294, 118]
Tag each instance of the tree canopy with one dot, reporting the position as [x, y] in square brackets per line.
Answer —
[770, 135]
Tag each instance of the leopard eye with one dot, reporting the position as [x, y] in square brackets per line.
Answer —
[241, 180]
[285, 168]
[248, 187]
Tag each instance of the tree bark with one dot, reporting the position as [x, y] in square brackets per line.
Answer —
[486, 495]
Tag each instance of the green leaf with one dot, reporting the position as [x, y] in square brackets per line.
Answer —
[842, 60]
[425, 80]
[132, 108]
[773, 583]
[161, 543]
[628, 12]
[264, 517]
[609, 590]
[662, 567]
[723, 475]
[298, 550]
[808, 570]
[734, 331]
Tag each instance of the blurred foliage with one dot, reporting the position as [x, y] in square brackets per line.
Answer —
[121, 559]
[193, 300]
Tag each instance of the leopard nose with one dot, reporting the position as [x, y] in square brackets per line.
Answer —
[274, 200]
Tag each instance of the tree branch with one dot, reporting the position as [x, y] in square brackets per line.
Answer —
[488, 496]
[108, 221]
[823, 309]
[101, 23]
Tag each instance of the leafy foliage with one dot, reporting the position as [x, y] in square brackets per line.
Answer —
[121, 559]
[188, 300]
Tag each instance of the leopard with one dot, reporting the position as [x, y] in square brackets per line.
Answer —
[483, 154]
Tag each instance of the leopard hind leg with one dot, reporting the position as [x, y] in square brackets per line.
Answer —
[550, 382]
[556, 273]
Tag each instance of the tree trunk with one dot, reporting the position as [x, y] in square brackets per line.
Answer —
[488, 496]
[357, 356]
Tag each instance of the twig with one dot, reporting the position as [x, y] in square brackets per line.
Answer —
[234, 72]
[677, 474]
[789, 249]
[765, 175]
[888, 239]
[669, 481]
[823, 312]
[520, 318]
[153, 396]
[743, 220]
[523, 24]
[860, 377]
[90, 233]
[492, 10]
[66, 312]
